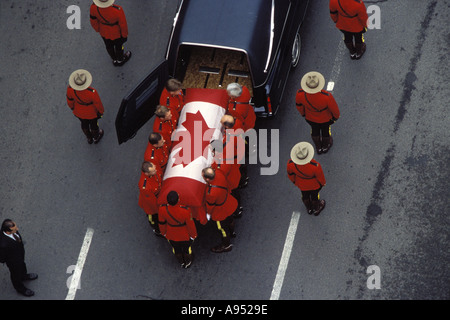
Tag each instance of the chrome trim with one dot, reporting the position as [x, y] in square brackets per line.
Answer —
[266, 69]
[175, 20]
[272, 31]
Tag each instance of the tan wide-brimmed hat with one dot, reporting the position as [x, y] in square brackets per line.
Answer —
[80, 79]
[312, 82]
[104, 3]
[302, 153]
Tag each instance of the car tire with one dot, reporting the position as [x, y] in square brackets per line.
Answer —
[296, 48]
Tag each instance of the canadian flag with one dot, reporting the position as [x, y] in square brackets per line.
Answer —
[198, 125]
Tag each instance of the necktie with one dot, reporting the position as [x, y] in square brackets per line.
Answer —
[16, 237]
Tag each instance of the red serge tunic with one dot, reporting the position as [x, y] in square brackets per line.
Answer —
[241, 109]
[149, 188]
[85, 104]
[165, 128]
[317, 107]
[306, 177]
[349, 15]
[231, 172]
[176, 223]
[174, 103]
[220, 204]
[110, 22]
[158, 156]
[233, 146]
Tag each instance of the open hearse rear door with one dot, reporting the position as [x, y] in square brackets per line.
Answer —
[139, 105]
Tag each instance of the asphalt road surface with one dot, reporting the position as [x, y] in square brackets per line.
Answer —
[387, 173]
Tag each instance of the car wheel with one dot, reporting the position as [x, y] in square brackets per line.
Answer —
[296, 47]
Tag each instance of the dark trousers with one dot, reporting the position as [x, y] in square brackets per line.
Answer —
[18, 273]
[353, 37]
[226, 228]
[320, 129]
[89, 124]
[312, 195]
[181, 247]
[115, 48]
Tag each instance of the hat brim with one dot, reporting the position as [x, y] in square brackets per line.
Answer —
[302, 145]
[316, 89]
[86, 85]
[102, 4]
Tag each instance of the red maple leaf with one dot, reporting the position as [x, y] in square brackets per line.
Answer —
[194, 141]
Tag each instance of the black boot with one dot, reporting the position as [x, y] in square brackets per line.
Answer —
[307, 203]
[318, 206]
[97, 134]
[88, 135]
[327, 142]
[225, 246]
[126, 57]
[180, 259]
[188, 258]
[351, 48]
[360, 49]
[318, 143]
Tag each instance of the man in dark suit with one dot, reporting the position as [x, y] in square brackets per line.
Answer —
[12, 252]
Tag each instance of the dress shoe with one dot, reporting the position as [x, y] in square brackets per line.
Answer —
[30, 276]
[27, 293]
[222, 248]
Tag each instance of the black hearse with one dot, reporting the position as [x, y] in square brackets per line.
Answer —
[216, 42]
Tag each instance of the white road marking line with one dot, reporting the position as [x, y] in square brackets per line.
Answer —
[80, 263]
[285, 256]
[334, 76]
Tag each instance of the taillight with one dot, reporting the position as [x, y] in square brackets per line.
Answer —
[269, 106]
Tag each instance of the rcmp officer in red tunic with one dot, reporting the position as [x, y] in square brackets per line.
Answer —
[233, 176]
[307, 175]
[85, 104]
[220, 206]
[172, 97]
[233, 149]
[350, 16]
[109, 20]
[165, 123]
[177, 225]
[149, 187]
[319, 109]
[157, 150]
[239, 105]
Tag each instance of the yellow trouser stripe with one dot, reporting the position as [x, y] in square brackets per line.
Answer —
[219, 226]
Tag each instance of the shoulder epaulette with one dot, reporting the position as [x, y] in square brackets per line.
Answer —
[324, 92]
[91, 89]
[116, 7]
